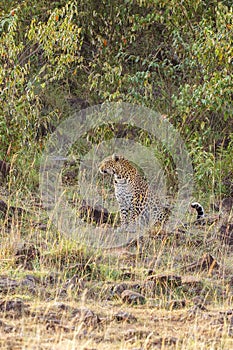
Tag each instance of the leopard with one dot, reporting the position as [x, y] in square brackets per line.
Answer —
[139, 206]
[202, 218]
[199, 209]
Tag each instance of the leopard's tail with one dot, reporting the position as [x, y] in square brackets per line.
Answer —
[200, 210]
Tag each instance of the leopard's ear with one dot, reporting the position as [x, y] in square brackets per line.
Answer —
[115, 157]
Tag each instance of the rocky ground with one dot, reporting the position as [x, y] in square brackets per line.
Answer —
[173, 291]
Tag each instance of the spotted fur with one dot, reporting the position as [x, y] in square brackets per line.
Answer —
[200, 210]
[138, 205]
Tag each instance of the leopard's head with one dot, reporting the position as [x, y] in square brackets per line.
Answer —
[118, 166]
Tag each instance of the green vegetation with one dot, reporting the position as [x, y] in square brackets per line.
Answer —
[173, 57]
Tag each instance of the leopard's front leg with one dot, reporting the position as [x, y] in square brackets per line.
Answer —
[128, 222]
[124, 197]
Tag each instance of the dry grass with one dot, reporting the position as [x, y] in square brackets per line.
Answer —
[48, 328]
[47, 283]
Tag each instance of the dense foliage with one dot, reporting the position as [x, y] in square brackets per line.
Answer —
[173, 56]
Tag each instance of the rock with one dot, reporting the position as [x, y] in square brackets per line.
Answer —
[17, 211]
[15, 306]
[227, 204]
[54, 323]
[96, 213]
[157, 284]
[130, 297]
[134, 334]
[166, 281]
[207, 220]
[52, 278]
[230, 329]
[206, 263]
[44, 129]
[119, 288]
[74, 282]
[231, 281]
[30, 283]
[196, 309]
[78, 103]
[192, 283]
[70, 176]
[126, 274]
[199, 302]
[176, 304]
[41, 226]
[66, 317]
[3, 209]
[85, 316]
[8, 285]
[10, 213]
[26, 254]
[123, 316]
[162, 343]
[4, 168]
[150, 289]
[226, 233]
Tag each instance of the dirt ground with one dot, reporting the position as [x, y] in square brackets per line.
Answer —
[172, 291]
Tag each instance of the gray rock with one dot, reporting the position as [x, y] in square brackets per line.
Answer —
[130, 297]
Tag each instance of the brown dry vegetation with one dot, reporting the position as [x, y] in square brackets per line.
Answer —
[58, 295]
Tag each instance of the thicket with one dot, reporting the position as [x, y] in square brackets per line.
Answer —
[175, 57]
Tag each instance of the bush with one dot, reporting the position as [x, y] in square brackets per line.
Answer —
[174, 59]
